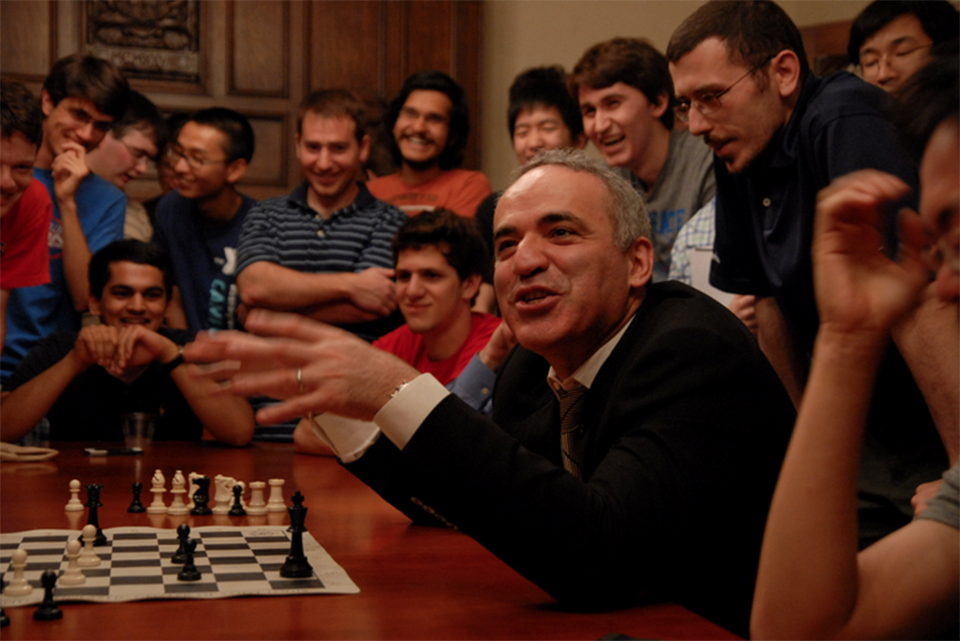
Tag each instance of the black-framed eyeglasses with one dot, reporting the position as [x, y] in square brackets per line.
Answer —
[710, 103]
[175, 154]
[84, 118]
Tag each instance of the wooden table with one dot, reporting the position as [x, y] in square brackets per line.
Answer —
[415, 582]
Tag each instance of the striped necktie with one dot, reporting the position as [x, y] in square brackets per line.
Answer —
[571, 429]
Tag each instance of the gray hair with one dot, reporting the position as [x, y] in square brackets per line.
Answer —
[624, 205]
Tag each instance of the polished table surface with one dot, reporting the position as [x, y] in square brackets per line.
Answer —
[415, 582]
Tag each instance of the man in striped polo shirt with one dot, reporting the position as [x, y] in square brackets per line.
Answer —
[324, 249]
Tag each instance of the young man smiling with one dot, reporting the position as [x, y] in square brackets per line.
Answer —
[83, 382]
[199, 224]
[81, 98]
[429, 121]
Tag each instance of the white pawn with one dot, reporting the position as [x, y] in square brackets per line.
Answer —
[179, 489]
[158, 506]
[275, 503]
[258, 506]
[73, 575]
[88, 558]
[74, 504]
[19, 586]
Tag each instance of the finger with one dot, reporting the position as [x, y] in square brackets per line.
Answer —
[219, 371]
[279, 383]
[278, 324]
[253, 352]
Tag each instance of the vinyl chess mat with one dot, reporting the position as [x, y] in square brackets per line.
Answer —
[135, 565]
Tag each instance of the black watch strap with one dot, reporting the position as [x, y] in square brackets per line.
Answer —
[175, 363]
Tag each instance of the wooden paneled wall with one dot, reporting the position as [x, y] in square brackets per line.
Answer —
[261, 57]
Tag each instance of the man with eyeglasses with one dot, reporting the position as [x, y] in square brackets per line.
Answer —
[126, 153]
[199, 222]
[892, 40]
[780, 135]
[81, 98]
[626, 99]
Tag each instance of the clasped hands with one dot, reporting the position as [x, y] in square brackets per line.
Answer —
[122, 351]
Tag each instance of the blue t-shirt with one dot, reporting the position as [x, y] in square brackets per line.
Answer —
[34, 313]
[204, 255]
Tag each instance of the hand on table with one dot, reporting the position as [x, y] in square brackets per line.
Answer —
[341, 373]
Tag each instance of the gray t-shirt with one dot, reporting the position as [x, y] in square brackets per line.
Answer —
[945, 506]
[684, 186]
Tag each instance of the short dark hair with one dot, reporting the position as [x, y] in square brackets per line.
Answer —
[141, 114]
[334, 103]
[20, 111]
[232, 124]
[544, 87]
[752, 32]
[459, 119]
[938, 18]
[930, 97]
[457, 238]
[632, 61]
[89, 78]
[132, 251]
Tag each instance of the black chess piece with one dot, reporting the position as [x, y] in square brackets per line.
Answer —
[136, 506]
[4, 619]
[201, 497]
[189, 571]
[93, 502]
[296, 565]
[47, 610]
[183, 533]
[237, 509]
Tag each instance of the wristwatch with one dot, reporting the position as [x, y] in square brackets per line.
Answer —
[177, 361]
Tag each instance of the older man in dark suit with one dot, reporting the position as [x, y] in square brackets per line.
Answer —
[637, 433]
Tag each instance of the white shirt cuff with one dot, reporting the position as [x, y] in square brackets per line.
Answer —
[350, 438]
[400, 418]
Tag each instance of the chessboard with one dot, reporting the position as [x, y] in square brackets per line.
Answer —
[135, 565]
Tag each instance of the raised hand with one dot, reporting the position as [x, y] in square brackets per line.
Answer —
[69, 169]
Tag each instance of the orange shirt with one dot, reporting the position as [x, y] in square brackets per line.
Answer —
[460, 190]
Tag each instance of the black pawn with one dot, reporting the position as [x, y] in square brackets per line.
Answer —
[93, 502]
[201, 497]
[180, 556]
[237, 509]
[4, 619]
[296, 565]
[136, 506]
[189, 571]
[48, 610]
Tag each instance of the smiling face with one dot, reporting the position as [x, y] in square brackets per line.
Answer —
[563, 283]
[890, 56]
[134, 295]
[621, 122]
[537, 129]
[430, 294]
[940, 204]
[72, 119]
[207, 146]
[330, 158]
[122, 160]
[17, 155]
[423, 126]
[751, 113]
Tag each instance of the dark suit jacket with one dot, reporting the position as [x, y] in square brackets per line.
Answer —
[686, 425]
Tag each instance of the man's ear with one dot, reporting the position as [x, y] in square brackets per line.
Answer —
[236, 170]
[581, 141]
[46, 102]
[94, 305]
[364, 149]
[640, 255]
[470, 286]
[663, 101]
[785, 70]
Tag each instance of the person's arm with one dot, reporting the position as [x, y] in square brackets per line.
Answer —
[175, 316]
[307, 441]
[811, 582]
[269, 286]
[69, 169]
[777, 342]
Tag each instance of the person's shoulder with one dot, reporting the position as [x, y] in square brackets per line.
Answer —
[368, 203]
[484, 322]
[172, 203]
[102, 190]
[390, 341]
[381, 184]
[36, 191]
[843, 94]
[685, 144]
[466, 176]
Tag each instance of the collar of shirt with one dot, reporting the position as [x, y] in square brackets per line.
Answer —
[298, 198]
[587, 372]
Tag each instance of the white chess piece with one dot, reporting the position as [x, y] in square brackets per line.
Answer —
[73, 575]
[88, 558]
[158, 506]
[179, 489]
[18, 586]
[258, 506]
[223, 497]
[275, 503]
[74, 504]
[193, 476]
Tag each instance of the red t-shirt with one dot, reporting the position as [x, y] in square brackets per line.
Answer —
[411, 348]
[24, 258]
[460, 190]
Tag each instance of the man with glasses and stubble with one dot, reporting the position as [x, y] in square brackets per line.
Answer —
[781, 134]
[199, 222]
[81, 98]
